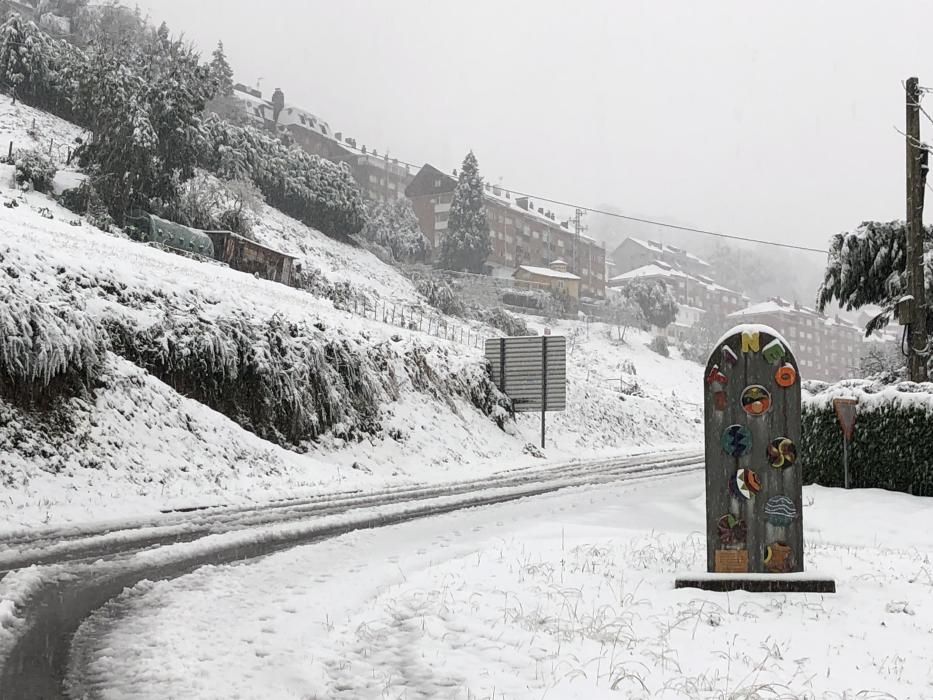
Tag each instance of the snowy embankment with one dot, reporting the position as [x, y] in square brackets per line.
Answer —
[564, 596]
[398, 405]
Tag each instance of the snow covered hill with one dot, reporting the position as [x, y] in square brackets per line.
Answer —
[390, 404]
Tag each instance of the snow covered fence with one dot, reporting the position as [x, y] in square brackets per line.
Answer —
[893, 443]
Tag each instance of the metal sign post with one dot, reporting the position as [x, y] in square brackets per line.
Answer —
[532, 370]
[845, 413]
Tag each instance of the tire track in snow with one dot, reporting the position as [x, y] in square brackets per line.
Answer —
[35, 653]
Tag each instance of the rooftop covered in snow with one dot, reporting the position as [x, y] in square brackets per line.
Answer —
[547, 272]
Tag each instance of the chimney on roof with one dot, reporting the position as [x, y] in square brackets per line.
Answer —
[540, 210]
[375, 153]
[363, 149]
[508, 195]
[339, 136]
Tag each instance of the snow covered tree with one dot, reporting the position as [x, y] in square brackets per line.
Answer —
[868, 267]
[394, 226]
[466, 245]
[143, 104]
[24, 54]
[221, 72]
[625, 313]
[653, 297]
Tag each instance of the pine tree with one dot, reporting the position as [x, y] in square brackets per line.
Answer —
[221, 72]
[467, 243]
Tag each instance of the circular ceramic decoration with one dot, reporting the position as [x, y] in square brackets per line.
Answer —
[779, 558]
[780, 511]
[732, 530]
[786, 376]
[745, 484]
[756, 400]
[782, 453]
[737, 441]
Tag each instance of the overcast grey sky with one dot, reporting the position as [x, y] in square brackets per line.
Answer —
[772, 120]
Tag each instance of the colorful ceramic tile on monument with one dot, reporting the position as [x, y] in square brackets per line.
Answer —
[780, 511]
[774, 352]
[745, 484]
[782, 453]
[779, 558]
[728, 356]
[715, 377]
[786, 376]
[756, 400]
[720, 401]
[737, 441]
[732, 530]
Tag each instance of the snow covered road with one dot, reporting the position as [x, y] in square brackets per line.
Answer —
[568, 595]
[41, 606]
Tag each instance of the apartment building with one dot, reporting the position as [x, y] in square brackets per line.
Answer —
[380, 178]
[696, 295]
[520, 233]
[634, 253]
[827, 348]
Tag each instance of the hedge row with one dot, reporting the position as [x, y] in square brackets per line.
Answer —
[892, 447]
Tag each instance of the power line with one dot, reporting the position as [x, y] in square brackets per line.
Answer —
[689, 229]
[616, 215]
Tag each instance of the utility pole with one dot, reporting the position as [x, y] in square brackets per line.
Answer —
[917, 329]
[578, 228]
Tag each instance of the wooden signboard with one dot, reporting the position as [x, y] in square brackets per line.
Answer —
[753, 479]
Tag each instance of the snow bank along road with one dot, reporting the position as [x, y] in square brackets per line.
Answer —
[57, 577]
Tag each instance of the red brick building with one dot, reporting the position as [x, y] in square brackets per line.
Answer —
[520, 233]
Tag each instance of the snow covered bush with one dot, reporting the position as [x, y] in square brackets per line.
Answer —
[34, 168]
[660, 346]
[85, 200]
[502, 320]
[209, 203]
[320, 194]
[893, 437]
[394, 227]
[442, 297]
[48, 347]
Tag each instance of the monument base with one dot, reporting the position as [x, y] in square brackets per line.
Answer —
[758, 583]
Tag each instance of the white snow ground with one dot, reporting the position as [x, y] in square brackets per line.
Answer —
[564, 596]
[139, 446]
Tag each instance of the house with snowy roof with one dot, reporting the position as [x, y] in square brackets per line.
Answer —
[555, 276]
[520, 233]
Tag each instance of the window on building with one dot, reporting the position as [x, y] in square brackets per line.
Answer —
[437, 183]
[535, 235]
[373, 178]
[441, 216]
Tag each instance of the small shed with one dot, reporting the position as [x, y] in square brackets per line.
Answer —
[153, 229]
[251, 257]
[556, 277]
